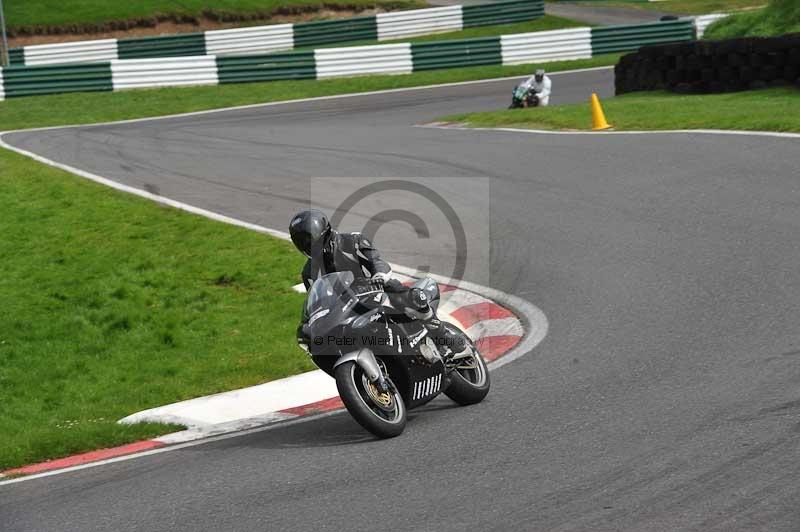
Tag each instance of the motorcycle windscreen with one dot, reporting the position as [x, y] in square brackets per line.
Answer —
[330, 302]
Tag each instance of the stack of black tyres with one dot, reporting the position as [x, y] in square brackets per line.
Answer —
[704, 67]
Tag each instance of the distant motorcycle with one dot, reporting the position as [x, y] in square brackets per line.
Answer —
[384, 363]
[520, 94]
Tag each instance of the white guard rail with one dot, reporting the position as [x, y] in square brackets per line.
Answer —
[71, 52]
[703, 22]
[364, 60]
[255, 40]
[419, 22]
[164, 72]
[556, 45]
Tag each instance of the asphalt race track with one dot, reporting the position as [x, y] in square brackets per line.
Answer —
[666, 395]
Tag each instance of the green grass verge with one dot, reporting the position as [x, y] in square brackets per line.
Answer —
[61, 13]
[767, 110]
[87, 108]
[113, 304]
[779, 17]
[681, 7]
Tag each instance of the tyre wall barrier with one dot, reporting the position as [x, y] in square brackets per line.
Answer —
[279, 37]
[700, 67]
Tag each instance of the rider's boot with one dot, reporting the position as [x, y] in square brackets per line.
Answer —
[452, 347]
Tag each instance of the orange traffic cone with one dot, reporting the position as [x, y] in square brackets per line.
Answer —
[598, 117]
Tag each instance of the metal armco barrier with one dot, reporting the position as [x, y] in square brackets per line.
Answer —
[611, 39]
[16, 56]
[164, 72]
[77, 52]
[331, 31]
[362, 60]
[558, 45]
[523, 48]
[279, 37]
[402, 24]
[271, 67]
[452, 54]
[261, 39]
[172, 46]
[504, 12]
[30, 81]
[703, 22]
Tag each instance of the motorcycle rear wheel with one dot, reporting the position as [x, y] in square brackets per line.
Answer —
[384, 415]
[469, 381]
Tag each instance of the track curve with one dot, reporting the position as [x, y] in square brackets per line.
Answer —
[665, 396]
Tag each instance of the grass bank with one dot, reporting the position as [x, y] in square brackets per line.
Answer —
[681, 7]
[113, 304]
[767, 110]
[87, 108]
[779, 17]
[78, 13]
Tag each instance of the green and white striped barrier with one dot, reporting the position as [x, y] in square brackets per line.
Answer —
[612, 39]
[702, 23]
[280, 37]
[524, 48]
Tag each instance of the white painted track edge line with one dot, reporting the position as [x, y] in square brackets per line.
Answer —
[143, 193]
[775, 134]
[300, 100]
[173, 447]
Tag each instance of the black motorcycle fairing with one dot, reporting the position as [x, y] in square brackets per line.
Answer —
[343, 315]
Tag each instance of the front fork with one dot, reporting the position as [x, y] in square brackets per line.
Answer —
[366, 360]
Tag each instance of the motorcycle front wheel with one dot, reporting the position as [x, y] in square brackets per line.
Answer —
[382, 414]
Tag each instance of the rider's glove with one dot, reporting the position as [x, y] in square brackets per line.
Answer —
[394, 286]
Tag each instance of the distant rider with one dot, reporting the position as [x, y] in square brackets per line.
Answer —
[330, 251]
[540, 85]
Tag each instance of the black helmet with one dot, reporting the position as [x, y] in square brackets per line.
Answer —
[307, 228]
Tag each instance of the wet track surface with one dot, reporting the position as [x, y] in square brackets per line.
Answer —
[666, 395]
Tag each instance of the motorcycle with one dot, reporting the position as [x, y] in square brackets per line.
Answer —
[384, 362]
[520, 94]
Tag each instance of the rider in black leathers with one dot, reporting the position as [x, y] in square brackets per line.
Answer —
[329, 251]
